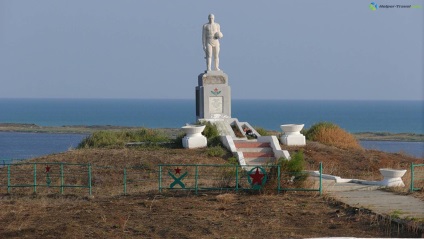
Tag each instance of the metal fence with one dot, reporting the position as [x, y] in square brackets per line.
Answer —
[42, 176]
[136, 179]
[235, 178]
[417, 177]
[4, 162]
[110, 180]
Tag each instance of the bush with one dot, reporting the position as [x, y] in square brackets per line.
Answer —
[212, 134]
[102, 139]
[312, 132]
[262, 131]
[333, 135]
[178, 141]
[232, 161]
[295, 165]
[216, 151]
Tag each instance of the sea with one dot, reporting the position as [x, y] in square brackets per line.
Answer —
[353, 116]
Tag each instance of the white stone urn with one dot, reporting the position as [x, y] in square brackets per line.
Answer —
[292, 129]
[392, 177]
[194, 137]
[291, 135]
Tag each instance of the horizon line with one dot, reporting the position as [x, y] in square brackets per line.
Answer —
[281, 99]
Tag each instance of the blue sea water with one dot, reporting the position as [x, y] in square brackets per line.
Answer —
[412, 148]
[29, 145]
[353, 116]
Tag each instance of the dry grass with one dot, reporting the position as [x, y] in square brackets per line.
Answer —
[145, 213]
[179, 215]
[353, 163]
[226, 198]
[337, 137]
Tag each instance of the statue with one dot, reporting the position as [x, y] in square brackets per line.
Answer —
[211, 33]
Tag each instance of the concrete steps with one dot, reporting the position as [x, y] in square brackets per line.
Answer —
[258, 155]
[255, 153]
[258, 161]
[251, 144]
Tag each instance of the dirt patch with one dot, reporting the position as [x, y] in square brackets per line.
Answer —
[183, 215]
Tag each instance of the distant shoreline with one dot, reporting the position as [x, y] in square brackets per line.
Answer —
[82, 129]
[385, 136]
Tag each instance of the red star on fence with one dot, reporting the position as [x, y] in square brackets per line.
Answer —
[47, 169]
[257, 177]
[177, 170]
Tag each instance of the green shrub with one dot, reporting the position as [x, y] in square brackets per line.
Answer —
[216, 151]
[295, 165]
[212, 134]
[262, 131]
[178, 141]
[102, 139]
[232, 161]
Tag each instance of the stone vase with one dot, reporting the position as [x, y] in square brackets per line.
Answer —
[392, 177]
[194, 137]
[291, 135]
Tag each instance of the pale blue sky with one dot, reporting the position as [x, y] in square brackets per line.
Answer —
[271, 49]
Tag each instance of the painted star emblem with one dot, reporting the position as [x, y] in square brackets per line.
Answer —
[47, 169]
[257, 177]
[177, 170]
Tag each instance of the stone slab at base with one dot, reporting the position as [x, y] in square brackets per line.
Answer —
[195, 142]
[293, 140]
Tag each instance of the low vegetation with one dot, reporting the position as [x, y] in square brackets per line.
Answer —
[295, 165]
[216, 151]
[262, 131]
[212, 134]
[104, 139]
[293, 169]
[331, 134]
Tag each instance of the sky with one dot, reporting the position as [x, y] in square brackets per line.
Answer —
[152, 49]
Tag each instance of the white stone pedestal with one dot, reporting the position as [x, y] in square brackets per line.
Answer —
[213, 96]
[292, 135]
[293, 140]
[392, 177]
[194, 137]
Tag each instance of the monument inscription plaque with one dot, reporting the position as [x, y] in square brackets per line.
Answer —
[215, 105]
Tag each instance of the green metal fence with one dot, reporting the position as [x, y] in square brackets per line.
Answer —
[234, 178]
[45, 175]
[417, 177]
[136, 179]
[109, 180]
[5, 162]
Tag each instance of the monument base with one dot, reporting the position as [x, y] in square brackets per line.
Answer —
[199, 141]
[293, 140]
[213, 96]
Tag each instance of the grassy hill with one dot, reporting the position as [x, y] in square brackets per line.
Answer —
[146, 213]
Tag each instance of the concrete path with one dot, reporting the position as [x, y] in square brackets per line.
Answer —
[380, 202]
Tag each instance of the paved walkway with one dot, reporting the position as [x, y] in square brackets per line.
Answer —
[380, 202]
